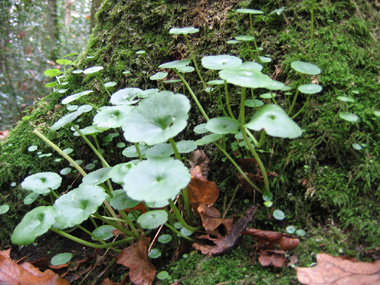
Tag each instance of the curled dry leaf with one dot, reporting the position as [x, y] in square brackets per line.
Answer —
[135, 257]
[25, 273]
[339, 271]
[230, 240]
[199, 158]
[275, 258]
[266, 239]
[211, 220]
[200, 190]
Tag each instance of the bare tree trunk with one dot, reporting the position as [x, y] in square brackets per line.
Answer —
[94, 7]
[53, 29]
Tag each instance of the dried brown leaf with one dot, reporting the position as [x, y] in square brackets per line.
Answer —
[200, 190]
[211, 220]
[25, 273]
[275, 258]
[266, 239]
[199, 158]
[338, 271]
[222, 244]
[135, 257]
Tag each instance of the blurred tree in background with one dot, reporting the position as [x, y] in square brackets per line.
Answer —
[33, 34]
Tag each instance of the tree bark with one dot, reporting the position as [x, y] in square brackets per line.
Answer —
[53, 29]
[94, 7]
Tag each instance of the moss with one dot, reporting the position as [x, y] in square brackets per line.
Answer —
[320, 179]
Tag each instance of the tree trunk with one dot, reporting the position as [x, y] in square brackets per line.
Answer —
[53, 29]
[95, 4]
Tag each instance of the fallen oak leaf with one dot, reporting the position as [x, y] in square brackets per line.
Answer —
[275, 258]
[135, 257]
[267, 239]
[200, 190]
[211, 220]
[222, 244]
[199, 158]
[25, 273]
[339, 271]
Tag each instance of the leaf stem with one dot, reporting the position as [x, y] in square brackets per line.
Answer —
[60, 151]
[180, 218]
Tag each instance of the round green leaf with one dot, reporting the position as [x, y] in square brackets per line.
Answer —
[154, 253]
[305, 67]
[175, 64]
[357, 146]
[103, 232]
[157, 118]
[77, 205]
[233, 42]
[267, 95]
[185, 69]
[165, 238]
[274, 120]
[301, 233]
[216, 82]
[65, 120]
[120, 201]
[92, 69]
[186, 232]
[186, 146]
[253, 104]
[208, 139]
[153, 219]
[159, 76]
[163, 275]
[345, 99]
[223, 125]
[97, 177]
[42, 182]
[51, 84]
[246, 77]
[160, 150]
[376, 113]
[183, 31]
[32, 148]
[35, 223]
[200, 129]
[278, 215]
[155, 180]
[52, 72]
[110, 84]
[250, 11]
[65, 171]
[132, 152]
[90, 130]
[245, 38]
[63, 61]
[140, 52]
[276, 85]
[265, 59]
[30, 198]
[349, 117]
[4, 209]
[118, 172]
[310, 88]
[126, 96]
[77, 71]
[290, 230]
[61, 258]
[218, 62]
[111, 117]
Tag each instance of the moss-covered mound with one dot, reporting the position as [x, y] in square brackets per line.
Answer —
[329, 176]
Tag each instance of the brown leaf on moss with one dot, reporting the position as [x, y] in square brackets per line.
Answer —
[200, 190]
[267, 239]
[211, 221]
[25, 273]
[339, 271]
[230, 240]
[199, 158]
[275, 258]
[135, 257]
